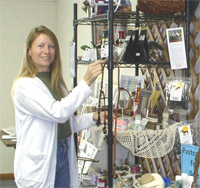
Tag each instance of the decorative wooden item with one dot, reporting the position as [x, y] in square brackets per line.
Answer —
[169, 165]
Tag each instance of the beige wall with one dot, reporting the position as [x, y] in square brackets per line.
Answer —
[17, 18]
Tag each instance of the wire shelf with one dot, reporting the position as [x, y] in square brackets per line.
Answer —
[148, 64]
[129, 18]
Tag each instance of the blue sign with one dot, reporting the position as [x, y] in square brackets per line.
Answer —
[188, 154]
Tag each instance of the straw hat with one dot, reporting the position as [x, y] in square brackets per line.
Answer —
[152, 180]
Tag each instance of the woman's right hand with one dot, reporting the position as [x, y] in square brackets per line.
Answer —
[93, 71]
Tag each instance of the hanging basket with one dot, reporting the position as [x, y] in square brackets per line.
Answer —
[161, 6]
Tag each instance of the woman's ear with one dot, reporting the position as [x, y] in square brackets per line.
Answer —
[29, 52]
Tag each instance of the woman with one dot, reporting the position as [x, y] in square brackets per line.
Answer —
[45, 152]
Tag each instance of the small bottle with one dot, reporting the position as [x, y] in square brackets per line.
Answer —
[133, 95]
[165, 118]
[105, 37]
[138, 125]
[135, 171]
[184, 181]
[104, 44]
[178, 181]
[102, 182]
[137, 100]
[190, 181]
[138, 93]
[121, 44]
[121, 37]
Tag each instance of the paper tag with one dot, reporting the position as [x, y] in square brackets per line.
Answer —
[185, 134]
[176, 91]
[144, 121]
[104, 51]
[90, 55]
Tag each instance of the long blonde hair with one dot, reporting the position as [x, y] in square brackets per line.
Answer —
[28, 68]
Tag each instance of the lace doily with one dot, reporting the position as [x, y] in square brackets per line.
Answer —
[149, 143]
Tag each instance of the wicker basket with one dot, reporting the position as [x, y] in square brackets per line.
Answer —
[161, 6]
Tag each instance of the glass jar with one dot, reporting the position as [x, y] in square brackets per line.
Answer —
[127, 181]
[102, 182]
[135, 171]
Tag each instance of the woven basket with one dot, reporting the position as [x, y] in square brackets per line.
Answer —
[161, 6]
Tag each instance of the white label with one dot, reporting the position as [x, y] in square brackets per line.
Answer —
[185, 134]
[142, 37]
[128, 38]
[100, 184]
[104, 52]
[144, 121]
[176, 91]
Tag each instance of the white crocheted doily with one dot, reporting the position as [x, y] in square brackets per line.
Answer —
[149, 143]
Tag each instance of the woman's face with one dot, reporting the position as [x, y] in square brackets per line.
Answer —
[42, 52]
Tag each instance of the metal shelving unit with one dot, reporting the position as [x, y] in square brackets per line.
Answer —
[111, 19]
[158, 64]
[128, 18]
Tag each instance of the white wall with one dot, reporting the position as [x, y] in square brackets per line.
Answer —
[65, 33]
[17, 18]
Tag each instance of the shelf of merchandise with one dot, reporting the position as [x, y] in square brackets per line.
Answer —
[149, 64]
[128, 18]
[111, 19]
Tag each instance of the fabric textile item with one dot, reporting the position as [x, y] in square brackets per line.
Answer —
[149, 143]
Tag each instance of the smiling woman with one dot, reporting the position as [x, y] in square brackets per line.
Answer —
[42, 52]
[45, 123]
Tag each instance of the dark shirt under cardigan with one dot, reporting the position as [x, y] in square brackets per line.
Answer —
[64, 129]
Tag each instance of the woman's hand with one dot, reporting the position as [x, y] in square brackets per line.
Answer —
[93, 71]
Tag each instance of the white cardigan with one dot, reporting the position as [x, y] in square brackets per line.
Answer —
[37, 115]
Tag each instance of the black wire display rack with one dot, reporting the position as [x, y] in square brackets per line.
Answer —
[129, 18]
[110, 19]
[149, 64]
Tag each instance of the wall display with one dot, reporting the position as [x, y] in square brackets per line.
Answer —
[159, 37]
